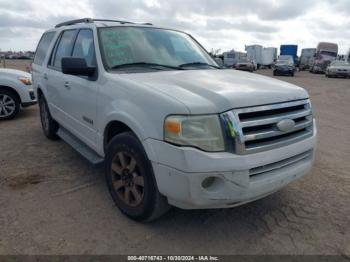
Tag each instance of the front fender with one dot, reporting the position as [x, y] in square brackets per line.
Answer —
[136, 118]
[17, 87]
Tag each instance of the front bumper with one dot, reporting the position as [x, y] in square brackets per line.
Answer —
[338, 74]
[180, 173]
[27, 96]
[318, 69]
[283, 71]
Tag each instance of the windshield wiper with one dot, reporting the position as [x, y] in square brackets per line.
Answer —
[145, 64]
[198, 64]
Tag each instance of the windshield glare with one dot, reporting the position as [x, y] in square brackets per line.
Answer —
[125, 45]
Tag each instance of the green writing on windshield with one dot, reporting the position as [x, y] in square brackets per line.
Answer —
[116, 48]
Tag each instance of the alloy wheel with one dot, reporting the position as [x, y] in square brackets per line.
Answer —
[128, 182]
[7, 106]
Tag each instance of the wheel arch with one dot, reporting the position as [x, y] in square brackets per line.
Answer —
[113, 128]
[39, 92]
[13, 90]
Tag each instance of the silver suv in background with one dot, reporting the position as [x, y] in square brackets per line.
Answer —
[338, 68]
[170, 126]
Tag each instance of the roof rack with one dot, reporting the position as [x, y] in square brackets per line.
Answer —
[111, 20]
[76, 21]
[119, 21]
[90, 20]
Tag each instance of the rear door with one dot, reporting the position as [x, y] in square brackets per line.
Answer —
[41, 55]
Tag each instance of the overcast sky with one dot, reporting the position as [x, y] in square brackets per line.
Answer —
[217, 24]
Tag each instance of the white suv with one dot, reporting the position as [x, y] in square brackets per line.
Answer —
[170, 126]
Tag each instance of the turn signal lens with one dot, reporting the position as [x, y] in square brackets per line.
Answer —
[25, 80]
[172, 126]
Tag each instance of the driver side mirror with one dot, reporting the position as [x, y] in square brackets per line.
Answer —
[76, 66]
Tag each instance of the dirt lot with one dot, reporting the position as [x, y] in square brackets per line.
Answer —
[54, 202]
[16, 64]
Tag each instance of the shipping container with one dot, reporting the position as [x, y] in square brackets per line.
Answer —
[269, 56]
[254, 54]
[291, 50]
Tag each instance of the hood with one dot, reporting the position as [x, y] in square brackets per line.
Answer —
[216, 91]
[14, 72]
[340, 67]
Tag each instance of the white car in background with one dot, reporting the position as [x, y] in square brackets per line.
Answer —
[15, 91]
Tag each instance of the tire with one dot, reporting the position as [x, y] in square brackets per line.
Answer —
[274, 73]
[131, 181]
[49, 125]
[292, 74]
[9, 104]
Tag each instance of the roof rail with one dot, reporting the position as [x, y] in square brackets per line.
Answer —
[90, 20]
[111, 20]
[119, 21]
[76, 21]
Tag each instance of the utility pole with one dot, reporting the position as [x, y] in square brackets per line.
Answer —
[2, 57]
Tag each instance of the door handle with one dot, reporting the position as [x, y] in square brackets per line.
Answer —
[45, 77]
[67, 85]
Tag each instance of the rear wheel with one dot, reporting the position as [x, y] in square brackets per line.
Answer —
[9, 104]
[130, 179]
[49, 125]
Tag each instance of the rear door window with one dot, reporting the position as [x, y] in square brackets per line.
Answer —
[64, 47]
[43, 47]
[84, 47]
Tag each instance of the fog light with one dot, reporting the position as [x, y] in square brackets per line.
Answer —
[213, 184]
[209, 181]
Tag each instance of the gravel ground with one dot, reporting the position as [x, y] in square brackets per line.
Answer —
[52, 201]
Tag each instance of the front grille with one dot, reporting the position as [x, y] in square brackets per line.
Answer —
[255, 129]
[256, 172]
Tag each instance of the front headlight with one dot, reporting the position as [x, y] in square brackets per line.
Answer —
[203, 132]
[25, 80]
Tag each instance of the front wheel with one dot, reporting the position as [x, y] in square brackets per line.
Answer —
[49, 125]
[130, 179]
[9, 105]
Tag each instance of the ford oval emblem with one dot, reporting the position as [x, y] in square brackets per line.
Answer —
[286, 125]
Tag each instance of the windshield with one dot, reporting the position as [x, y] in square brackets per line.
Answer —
[285, 60]
[308, 53]
[328, 53]
[142, 46]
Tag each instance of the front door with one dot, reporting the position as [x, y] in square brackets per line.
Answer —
[76, 95]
